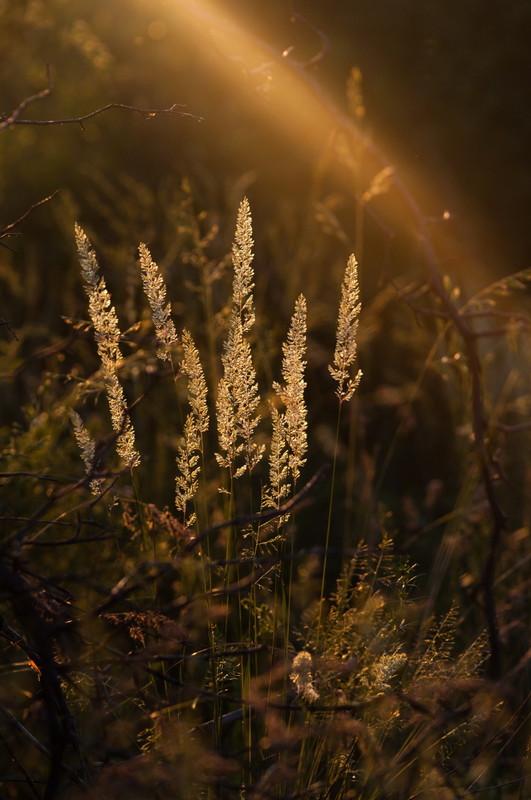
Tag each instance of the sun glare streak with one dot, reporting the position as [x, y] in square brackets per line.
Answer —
[287, 98]
[276, 84]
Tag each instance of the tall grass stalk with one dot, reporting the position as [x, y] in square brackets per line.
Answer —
[107, 332]
[345, 356]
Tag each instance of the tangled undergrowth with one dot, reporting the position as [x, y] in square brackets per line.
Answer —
[253, 639]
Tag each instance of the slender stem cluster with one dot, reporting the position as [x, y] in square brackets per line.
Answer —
[238, 398]
[87, 447]
[107, 333]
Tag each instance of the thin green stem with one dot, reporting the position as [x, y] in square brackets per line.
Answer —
[328, 526]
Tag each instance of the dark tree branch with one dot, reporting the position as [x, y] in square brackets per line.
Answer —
[29, 780]
[8, 230]
[6, 321]
[7, 122]
[34, 615]
[296, 16]
[147, 113]
[31, 475]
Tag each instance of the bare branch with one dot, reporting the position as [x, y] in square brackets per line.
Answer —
[147, 113]
[8, 324]
[8, 230]
[296, 16]
[32, 475]
[13, 117]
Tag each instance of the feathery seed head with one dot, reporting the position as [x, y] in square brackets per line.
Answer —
[197, 388]
[87, 447]
[101, 310]
[278, 460]
[191, 444]
[292, 424]
[188, 468]
[125, 442]
[347, 329]
[238, 397]
[103, 315]
[87, 257]
[387, 667]
[302, 676]
[242, 257]
[107, 334]
[227, 433]
[155, 290]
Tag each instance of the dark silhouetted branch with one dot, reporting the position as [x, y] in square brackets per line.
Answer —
[7, 122]
[147, 113]
[8, 230]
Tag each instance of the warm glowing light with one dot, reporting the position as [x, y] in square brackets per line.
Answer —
[157, 30]
[283, 92]
[278, 86]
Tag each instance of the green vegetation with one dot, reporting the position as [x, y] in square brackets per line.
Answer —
[264, 513]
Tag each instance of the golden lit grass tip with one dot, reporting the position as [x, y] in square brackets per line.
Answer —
[192, 368]
[242, 258]
[238, 397]
[155, 290]
[87, 448]
[301, 676]
[346, 335]
[191, 444]
[289, 440]
[107, 335]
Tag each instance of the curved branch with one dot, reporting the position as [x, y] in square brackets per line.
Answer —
[42, 95]
[8, 230]
[147, 113]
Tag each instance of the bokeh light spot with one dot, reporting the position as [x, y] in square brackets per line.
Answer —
[157, 30]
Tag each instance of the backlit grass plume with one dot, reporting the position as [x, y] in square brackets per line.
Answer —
[155, 290]
[289, 438]
[196, 424]
[242, 258]
[302, 676]
[278, 461]
[107, 333]
[346, 336]
[238, 398]
[87, 448]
